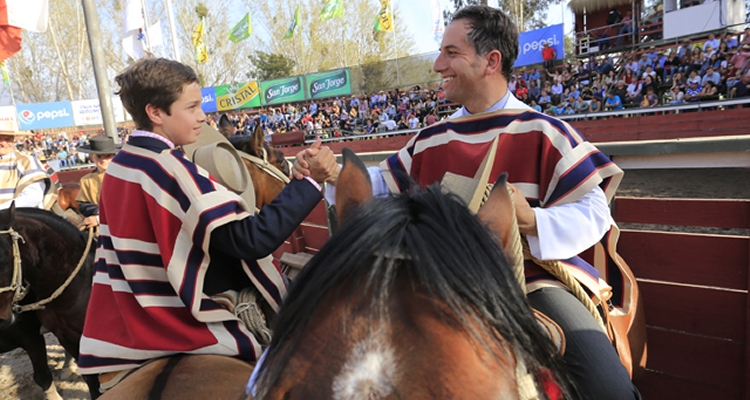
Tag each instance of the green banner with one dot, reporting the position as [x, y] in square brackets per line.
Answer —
[285, 90]
[330, 83]
[238, 95]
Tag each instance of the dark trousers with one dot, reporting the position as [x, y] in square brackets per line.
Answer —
[591, 359]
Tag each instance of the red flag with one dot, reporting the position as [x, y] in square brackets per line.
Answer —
[16, 15]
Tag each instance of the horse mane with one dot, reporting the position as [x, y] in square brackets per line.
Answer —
[432, 239]
[54, 221]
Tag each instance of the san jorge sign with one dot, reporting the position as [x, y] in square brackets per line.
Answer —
[238, 95]
[328, 84]
[286, 90]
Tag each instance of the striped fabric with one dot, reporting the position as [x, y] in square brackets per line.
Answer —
[17, 171]
[545, 157]
[157, 213]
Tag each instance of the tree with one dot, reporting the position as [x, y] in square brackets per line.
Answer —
[270, 66]
[527, 14]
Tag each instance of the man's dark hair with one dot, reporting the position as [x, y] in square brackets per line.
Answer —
[155, 81]
[491, 29]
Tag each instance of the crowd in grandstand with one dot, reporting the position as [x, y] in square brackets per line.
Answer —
[694, 71]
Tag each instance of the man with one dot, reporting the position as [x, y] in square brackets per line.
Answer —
[741, 88]
[548, 55]
[23, 179]
[561, 215]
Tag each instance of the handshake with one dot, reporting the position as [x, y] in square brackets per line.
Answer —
[317, 162]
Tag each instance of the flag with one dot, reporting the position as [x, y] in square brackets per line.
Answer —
[133, 30]
[438, 23]
[199, 43]
[16, 15]
[332, 9]
[293, 26]
[4, 71]
[384, 20]
[242, 30]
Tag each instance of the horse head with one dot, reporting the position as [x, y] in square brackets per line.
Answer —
[7, 289]
[269, 170]
[412, 296]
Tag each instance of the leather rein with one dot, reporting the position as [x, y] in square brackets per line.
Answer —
[20, 289]
[266, 166]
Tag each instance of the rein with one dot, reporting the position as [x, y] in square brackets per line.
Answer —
[17, 283]
[266, 166]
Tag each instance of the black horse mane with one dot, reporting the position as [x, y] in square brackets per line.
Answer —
[440, 246]
[54, 221]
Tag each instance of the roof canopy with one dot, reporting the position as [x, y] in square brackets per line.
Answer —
[595, 5]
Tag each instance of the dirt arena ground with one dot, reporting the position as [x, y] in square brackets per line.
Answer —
[16, 381]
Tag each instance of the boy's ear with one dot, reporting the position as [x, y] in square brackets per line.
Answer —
[155, 114]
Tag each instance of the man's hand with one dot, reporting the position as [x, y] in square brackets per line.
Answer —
[301, 167]
[323, 166]
[524, 214]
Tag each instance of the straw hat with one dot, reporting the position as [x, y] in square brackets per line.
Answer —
[213, 152]
[100, 145]
[8, 127]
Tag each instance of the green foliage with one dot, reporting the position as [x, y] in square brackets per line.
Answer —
[269, 66]
[202, 10]
[527, 14]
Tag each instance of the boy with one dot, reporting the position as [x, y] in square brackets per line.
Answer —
[101, 149]
[171, 237]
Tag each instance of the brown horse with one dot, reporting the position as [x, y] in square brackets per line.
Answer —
[268, 168]
[413, 299]
[39, 253]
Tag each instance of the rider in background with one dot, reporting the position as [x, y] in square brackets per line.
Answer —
[171, 236]
[559, 179]
[101, 149]
[22, 176]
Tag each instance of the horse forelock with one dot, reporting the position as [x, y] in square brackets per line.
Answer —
[431, 240]
[370, 370]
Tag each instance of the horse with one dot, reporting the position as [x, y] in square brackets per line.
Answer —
[412, 298]
[46, 269]
[267, 166]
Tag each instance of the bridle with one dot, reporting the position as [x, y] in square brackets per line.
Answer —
[264, 165]
[20, 289]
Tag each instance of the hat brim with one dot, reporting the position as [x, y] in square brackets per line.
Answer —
[88, 149]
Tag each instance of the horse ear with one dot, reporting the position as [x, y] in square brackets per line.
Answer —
[498, 214]
[353, 186]
[257, 139]
[7, 216]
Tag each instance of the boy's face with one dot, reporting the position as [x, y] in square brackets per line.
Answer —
[184, 124]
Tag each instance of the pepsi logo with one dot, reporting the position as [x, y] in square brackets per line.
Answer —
[27, 116]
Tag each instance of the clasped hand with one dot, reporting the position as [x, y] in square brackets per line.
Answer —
[317, 162]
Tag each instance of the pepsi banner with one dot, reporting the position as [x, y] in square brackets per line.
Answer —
[209, 99]
[531, 43]
[45, 115]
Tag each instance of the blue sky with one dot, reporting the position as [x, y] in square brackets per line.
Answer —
[419, 15]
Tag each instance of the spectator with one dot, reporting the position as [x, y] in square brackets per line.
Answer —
[581, 107]
[633, 95]
[612, 102]
[548, 55]
[711, 76]
[595, 105]
[693, 92]
[709, 92]
[741, 88]
[676, 95]
[650, 99]
[711, 44]
[627, 28]
[536, 107]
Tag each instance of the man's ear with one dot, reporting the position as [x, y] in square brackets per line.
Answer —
[155, 114]
[494, 61]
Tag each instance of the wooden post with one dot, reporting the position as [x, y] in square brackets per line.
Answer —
[746, 364]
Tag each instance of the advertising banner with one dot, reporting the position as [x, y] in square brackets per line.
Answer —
[531, 43]
[285, 90]
[209, 99]
[328, 84]
[45, 115]
[88, 112]
[8, 113]
[238, 95]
